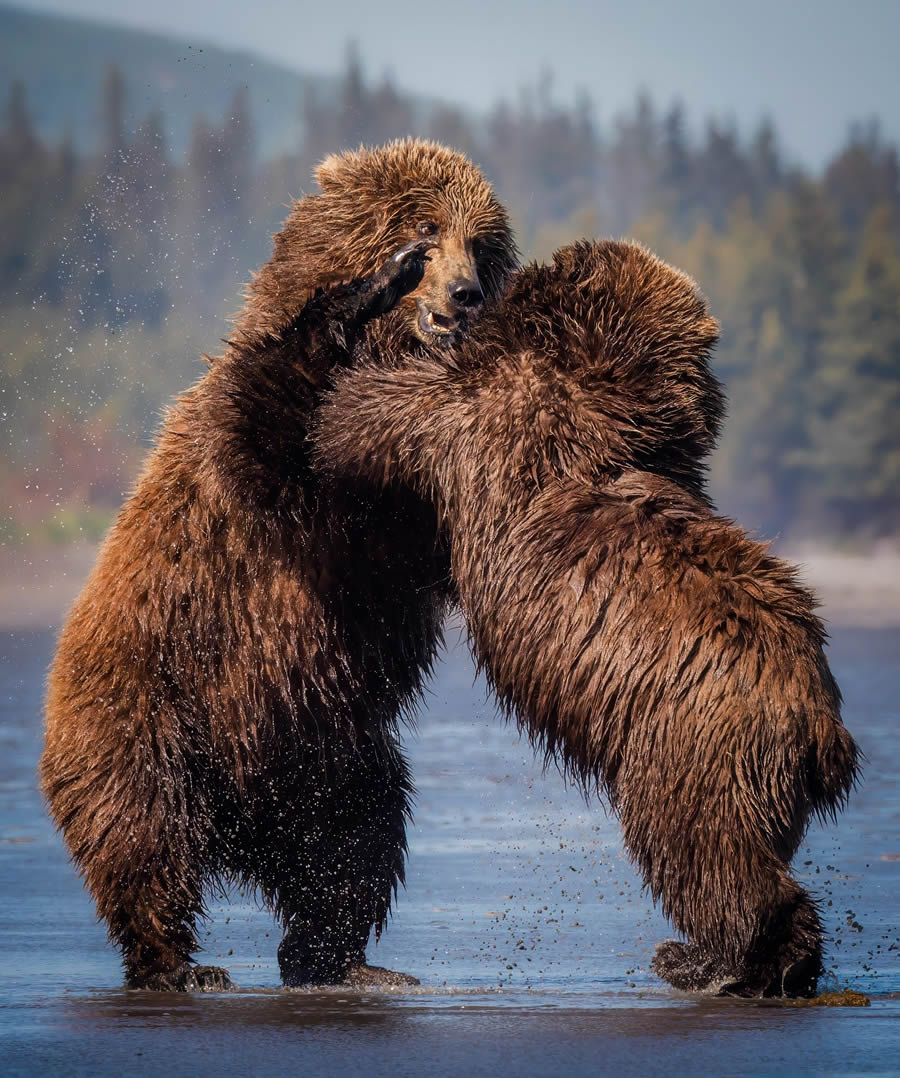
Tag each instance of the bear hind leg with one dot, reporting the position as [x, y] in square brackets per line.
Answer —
[785, 958]
[333, 877]
[150, 893]
[154, 925]
[760, 936]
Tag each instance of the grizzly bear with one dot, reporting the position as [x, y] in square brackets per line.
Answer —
[225, 697]
[651, 646]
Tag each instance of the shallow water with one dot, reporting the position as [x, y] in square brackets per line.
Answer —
[522, 918]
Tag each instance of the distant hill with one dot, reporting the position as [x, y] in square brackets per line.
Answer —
[63, 61]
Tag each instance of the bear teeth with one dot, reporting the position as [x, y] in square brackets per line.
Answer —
[436, 326]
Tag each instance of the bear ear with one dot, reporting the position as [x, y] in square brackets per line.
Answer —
[334, 172]
[564, 259]
[582, 261]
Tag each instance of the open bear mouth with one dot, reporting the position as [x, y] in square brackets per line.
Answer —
[433, 324]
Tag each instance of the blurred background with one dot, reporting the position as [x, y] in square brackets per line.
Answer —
[148, 152]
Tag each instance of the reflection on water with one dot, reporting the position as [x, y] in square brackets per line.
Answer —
[522, 917]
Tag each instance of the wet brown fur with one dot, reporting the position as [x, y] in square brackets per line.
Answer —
[226, 690]
[650, 645]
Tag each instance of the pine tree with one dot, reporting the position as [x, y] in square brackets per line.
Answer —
[723, 174]
[112, 103]
[633, 163]
[22, 142]
[392, 115]
[864, 174]
[355, 117]
[449, 125]
[676, 175]
[765, 162]
[239, 144]
[856, 418]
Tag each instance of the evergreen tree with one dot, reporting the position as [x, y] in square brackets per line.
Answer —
[802, 270]
[633, 163]
[676, 175]
[112, 104]
[21, 140]
[449, 125]
[864, 174]
[765, 163]
[238, 146]
[856, 418]
[391, 112]
[355, 118]
[723, 175]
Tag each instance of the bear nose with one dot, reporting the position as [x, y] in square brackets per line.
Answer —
[465, 292]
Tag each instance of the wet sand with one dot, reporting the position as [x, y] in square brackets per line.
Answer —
[316, 1035]
[522, 918]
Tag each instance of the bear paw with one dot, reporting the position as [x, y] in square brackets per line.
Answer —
[363, 976]
[688, 968]
[358, 975]
[795, 979]
[213, 979]
[397, 277]
[186, 978]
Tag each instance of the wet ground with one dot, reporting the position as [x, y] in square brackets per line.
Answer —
[522, 918]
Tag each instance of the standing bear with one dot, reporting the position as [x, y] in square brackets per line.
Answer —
[225, 696]
[651, 646]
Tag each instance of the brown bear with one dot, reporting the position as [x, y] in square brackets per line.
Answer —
[653, 647]
[226, 692]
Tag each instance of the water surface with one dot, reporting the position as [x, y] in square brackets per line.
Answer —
[522, 917]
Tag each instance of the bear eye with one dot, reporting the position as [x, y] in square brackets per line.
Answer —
[428, 228]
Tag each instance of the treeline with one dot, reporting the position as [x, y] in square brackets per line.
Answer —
[120, 268]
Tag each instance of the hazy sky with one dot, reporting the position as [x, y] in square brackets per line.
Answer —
[814, 65]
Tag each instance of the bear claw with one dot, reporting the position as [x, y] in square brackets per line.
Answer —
[213, 979]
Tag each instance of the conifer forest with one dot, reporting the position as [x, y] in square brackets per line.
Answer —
[120, 266]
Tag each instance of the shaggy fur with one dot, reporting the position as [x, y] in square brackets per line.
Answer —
[647, 643]
[225, 695]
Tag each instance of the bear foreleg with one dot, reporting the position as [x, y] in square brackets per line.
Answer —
[141, 843]
[326, 329]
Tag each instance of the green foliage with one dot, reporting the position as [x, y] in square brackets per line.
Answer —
[119, 270]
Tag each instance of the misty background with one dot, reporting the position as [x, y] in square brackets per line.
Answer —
[146, 160]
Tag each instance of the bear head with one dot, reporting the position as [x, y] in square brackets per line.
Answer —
[372, 202]
[611, 347]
